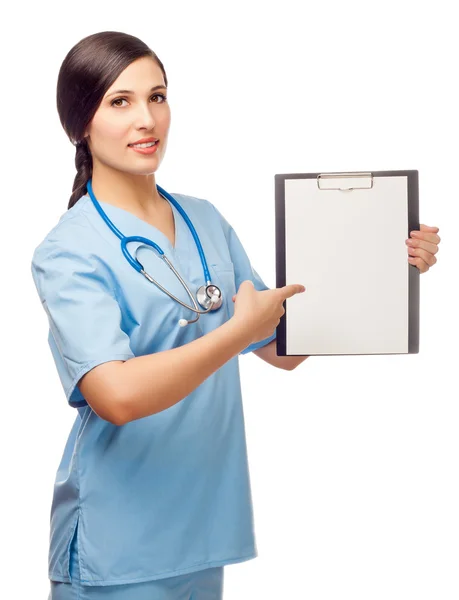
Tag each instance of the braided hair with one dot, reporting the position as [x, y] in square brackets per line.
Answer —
[83, 164]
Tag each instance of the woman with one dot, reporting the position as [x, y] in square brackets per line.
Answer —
[152, 495]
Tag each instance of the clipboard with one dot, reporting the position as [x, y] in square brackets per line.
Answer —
[342, 236]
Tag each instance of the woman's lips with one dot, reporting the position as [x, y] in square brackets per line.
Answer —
[150, 150]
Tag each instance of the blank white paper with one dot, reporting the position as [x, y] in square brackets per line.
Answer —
[348, 249]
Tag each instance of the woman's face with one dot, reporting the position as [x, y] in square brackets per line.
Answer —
[123, 118]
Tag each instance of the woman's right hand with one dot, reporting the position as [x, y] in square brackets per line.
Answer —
[260, 312]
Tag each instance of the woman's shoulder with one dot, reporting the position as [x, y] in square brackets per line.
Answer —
[194, 202]
[73, 231]
[199, 208]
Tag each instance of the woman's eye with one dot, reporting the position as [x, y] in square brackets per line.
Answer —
[112, 103]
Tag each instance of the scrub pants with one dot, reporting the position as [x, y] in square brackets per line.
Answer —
[206, 584]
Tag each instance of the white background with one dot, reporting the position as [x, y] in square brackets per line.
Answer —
[353, 460]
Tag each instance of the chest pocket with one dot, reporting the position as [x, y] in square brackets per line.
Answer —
[225, 279]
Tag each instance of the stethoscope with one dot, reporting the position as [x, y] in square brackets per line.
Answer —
[209, 295]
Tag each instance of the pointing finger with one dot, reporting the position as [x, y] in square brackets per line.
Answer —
[290, 290]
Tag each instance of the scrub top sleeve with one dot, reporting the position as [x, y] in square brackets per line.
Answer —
[243, 270]
[84, 316]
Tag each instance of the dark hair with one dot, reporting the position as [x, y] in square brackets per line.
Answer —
[86, 73]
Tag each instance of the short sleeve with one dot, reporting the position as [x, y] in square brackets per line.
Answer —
[84, 316]
[243, 270]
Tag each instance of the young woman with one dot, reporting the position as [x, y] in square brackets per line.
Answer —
[152, 495]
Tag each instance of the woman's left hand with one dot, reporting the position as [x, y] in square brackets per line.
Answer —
[422, 247]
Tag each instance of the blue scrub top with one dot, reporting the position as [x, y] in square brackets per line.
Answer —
[166, 494]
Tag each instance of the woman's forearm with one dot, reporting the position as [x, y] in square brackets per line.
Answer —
[149, 384]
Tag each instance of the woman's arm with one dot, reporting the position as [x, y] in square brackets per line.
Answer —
[144, 385]
[268, 354]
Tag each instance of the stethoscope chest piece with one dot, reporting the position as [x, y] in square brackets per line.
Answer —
[205, 293]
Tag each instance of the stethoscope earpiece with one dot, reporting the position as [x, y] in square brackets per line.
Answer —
[209, 295]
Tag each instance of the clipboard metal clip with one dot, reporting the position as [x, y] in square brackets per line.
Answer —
[344, 187]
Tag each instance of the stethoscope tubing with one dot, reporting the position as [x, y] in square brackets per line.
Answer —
[164, 257]
[126, 239]
[139, 267]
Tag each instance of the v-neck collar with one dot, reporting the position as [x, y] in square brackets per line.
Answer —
[111, 208]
